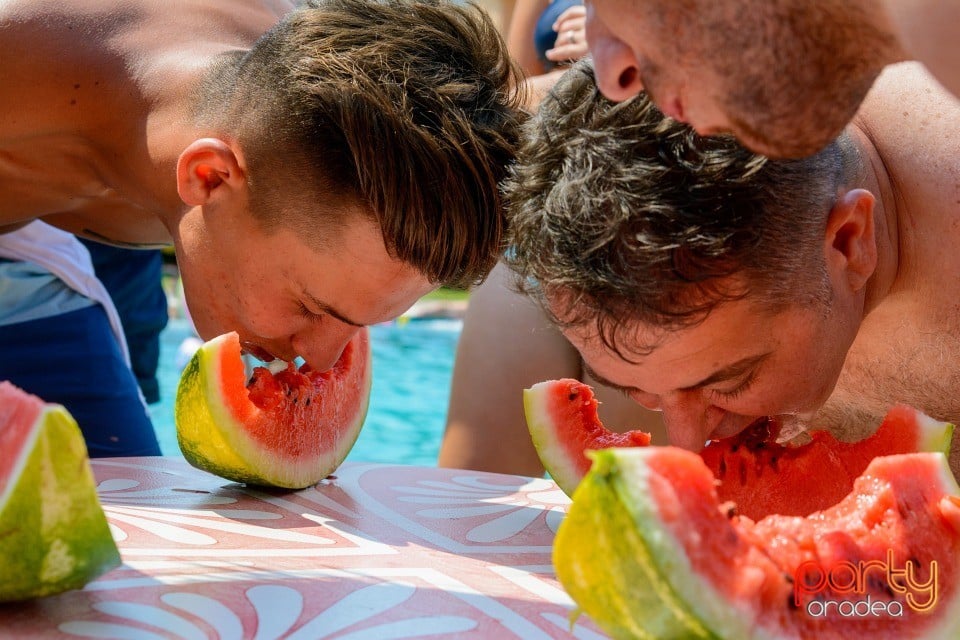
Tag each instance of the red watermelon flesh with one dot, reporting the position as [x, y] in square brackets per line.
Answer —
[304, 396]
[286, 429]
[18, 413]
[882, 563]
[53, 533]
[757, 475]
[563, 423]
[763, 477]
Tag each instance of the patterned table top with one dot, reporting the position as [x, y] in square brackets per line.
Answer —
[375, 552]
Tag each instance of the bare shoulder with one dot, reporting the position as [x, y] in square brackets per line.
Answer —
[47, 50]
[909, 115]
[119, 50]
[914, 124]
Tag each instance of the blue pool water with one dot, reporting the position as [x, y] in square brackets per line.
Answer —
[412, 366]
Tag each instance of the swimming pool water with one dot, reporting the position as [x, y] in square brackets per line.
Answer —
[412, 367]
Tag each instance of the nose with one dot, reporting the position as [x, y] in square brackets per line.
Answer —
[321, 347]
[615, 65]
[689, 419]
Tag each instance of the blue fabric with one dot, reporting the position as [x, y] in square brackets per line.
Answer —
[544, 37]
[29, 291]
[73, 359]
[133, 279]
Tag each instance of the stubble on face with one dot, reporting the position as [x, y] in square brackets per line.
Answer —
[790, 75]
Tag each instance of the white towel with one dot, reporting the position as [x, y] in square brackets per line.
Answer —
[65, 257]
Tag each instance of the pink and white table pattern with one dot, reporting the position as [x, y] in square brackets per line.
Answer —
[375, 552]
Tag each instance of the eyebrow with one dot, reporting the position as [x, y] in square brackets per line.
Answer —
[729, 372]
[330, 311]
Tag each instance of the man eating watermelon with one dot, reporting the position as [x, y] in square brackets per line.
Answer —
[717, 286]
[318, 166]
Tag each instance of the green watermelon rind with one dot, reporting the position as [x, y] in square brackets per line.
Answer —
[616, 490]
[627, 533]
[546, 440]
[932, 434]
[54, 536]
[227, 451]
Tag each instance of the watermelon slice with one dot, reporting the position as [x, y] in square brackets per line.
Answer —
[648, 551]
[53, 533]
[287, 429]
[758, 475]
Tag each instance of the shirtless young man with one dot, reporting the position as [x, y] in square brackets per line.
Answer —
[317, 170]
[716, 286]
[784, 76]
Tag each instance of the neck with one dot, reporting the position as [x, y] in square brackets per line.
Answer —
[875, 178]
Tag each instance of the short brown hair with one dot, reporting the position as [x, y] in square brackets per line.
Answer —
[401, 106]
[622, 216]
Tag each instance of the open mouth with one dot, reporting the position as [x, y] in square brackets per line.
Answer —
[257, 352]
[757, 434]
[257, 356]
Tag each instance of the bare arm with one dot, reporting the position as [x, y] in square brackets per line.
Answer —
[519, 37]
[506, 345]
[520, 43]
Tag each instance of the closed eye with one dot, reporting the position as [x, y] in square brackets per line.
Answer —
[306, 313]
[740, 389]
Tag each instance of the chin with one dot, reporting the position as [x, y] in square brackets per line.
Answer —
[776, 142]
[204, 327]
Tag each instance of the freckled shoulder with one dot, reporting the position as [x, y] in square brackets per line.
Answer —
[913, 120]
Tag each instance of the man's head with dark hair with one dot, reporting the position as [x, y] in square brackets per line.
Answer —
[343, 166]
[705, 281]
[399, 107]
[636, 218]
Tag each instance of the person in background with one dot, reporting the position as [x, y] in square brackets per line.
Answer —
[716, 285]
[507, 345]
[545, 37]
[784, 77]
[318, 166]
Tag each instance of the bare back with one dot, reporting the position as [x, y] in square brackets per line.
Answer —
[909, 343]
[94, 99]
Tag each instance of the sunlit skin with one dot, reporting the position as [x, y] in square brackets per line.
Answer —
[712, 380]
[630, 57]
[287, 299]
[103, 146]
[886, 330]
[704, 65]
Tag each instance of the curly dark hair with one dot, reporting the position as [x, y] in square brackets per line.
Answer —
[404, 107]
[622, 216]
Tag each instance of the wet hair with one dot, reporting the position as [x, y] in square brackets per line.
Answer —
[399, 108]
[621, 216]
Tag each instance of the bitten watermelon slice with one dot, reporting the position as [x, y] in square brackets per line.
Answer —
[563, 423]
[648, 552]
[758, 475]
[53, 534]
[290, 429]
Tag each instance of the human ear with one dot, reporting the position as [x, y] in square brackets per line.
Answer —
[850, 243]
[206, 166]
